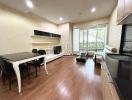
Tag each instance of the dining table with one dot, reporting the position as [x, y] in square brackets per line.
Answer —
[22, 57]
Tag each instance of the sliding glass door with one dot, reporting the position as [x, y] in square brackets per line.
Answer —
[92, 42]
[101, 37]
[91, 39]
[83, 40]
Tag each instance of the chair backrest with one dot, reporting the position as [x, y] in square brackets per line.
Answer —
[34, 51]
[41, 52]
[2, 63]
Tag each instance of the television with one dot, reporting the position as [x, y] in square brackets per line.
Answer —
[57, 49]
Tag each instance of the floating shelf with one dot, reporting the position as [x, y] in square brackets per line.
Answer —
[48, 34]
[37, 36]
[41, 43]
[48, 49]
[44, 40]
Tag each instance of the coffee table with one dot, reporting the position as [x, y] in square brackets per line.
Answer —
[81, 59]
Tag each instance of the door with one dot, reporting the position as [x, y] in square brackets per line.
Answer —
[85, 40]
[81, 41]
[101, 37]
[92, 35]
[89, 39]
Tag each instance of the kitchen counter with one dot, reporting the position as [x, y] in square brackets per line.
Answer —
[120, 70]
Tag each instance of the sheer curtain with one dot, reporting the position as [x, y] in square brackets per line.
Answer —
[76, 40]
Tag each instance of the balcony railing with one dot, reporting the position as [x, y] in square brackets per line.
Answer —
[92, 46]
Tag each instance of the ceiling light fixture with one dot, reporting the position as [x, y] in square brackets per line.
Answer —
[61, 18]
[93, 10]
[29, 3]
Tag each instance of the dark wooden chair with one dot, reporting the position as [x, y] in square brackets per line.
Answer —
[34, 51]
[7, 71]
[38, 63]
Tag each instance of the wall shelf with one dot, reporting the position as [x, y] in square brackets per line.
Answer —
[44, 40]
[48, 34]
[38, 43]
[47, 49]
[37, 36]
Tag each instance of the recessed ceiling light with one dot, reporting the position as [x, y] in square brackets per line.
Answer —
[93, 10]
[61, 18]
[29, 3]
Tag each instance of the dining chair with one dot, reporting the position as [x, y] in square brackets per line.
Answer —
[41, 60]
[7, 71]
[0, 71]
[38, 63]
[24, 70]
[34, 51]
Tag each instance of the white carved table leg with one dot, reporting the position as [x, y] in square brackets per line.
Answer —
[45, 67]
[17, 72]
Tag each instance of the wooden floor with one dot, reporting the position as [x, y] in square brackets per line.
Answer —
[67, 80]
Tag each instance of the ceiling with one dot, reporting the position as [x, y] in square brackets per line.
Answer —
[71, 10]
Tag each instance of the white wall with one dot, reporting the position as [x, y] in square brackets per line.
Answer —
[66, 37]
[91, 23]
[16, 29]
[114, 36]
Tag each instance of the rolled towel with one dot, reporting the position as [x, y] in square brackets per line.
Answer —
[114, 50]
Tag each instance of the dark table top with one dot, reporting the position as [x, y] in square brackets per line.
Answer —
[19, 56]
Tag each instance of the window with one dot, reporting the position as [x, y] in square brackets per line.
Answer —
[91, 39]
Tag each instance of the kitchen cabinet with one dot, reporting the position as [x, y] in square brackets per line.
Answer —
[124, 11]
[126, 39]
[108, 87]
[128, 7]
[121, 10]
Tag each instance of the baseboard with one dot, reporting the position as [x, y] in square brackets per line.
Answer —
[54, 60]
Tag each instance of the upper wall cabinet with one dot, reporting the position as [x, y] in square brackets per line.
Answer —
[121, 8]
[42, 33]
[124, 13]
[128, 7]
